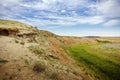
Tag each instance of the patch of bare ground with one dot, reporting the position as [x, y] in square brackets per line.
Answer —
[19, 63]
[16, 67]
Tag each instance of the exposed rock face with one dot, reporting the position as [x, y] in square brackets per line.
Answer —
[17, 32]
[27, 35]
[4, 32]
[8, 32]
[18, 29]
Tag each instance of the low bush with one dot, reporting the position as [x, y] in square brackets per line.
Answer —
[3, 61]
[22, 43]
[39, 67]
[52, 74]
[37, 50]
[100, 41]
[16, 41]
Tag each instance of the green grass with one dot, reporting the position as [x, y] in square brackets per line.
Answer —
[102, 68]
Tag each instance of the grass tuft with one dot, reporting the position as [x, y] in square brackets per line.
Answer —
[39, 67]
[37, 50]
[3, 61]
[22, 43]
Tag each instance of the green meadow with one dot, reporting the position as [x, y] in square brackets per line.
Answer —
[101, 61]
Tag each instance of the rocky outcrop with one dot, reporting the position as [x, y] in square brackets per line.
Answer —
[16, 29]
[8, 32]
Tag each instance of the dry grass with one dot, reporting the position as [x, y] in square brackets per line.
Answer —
[37, 50]
[3, 61]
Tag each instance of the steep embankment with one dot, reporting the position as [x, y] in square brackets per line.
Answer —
[27, 53]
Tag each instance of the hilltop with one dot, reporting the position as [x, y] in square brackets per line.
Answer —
[27, 53]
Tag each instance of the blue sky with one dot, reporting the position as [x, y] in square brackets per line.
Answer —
[66, 17]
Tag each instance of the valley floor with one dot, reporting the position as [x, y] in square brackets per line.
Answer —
[101, 60]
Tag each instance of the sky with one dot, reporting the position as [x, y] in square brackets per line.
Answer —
[66, 17]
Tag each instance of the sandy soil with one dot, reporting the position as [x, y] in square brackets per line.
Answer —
[16, 55]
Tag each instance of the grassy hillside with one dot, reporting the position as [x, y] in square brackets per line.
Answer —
[13, 24]
[27, 53]
[102, 61]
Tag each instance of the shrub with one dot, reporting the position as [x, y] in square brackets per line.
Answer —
[16, 41]
[100, 41]
[52, 74]
[3, 61]
[22, 43]
[26, 61]
[39, 67]
[36, 49]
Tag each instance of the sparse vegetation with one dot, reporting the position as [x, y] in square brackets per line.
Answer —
[2, 78]
[39, 67]
[16, 41]
[52, 74]
[103, 41]
[26, 61]
[22, 43]
[37, 50]
[3, 61]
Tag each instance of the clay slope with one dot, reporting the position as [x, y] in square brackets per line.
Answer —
[27, 53]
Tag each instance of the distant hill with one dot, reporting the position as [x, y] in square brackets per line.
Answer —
[92, 36]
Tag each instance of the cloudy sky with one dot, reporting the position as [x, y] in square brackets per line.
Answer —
[66, 17]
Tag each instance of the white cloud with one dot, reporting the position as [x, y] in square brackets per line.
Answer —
[101, 12]
[91, 20]
[55, 4]
[65, 21]
[108, 8]
[36, 5]
[112, 23]
[63, 11]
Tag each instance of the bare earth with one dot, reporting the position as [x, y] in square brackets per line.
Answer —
[15, 54]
